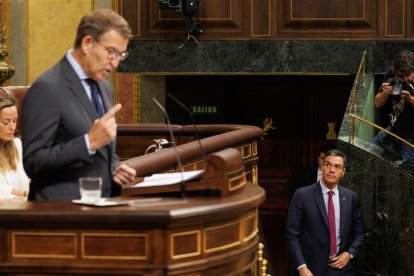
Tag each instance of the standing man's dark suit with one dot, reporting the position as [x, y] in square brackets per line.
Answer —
[57, 113]
[308, 230]
[64, 138]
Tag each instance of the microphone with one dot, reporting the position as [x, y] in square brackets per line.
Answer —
[190, 113]
[182, 185]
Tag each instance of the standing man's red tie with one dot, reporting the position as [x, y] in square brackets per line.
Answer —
[332, 229]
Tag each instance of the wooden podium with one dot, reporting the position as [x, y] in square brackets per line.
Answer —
[224, 173]
[200, 235]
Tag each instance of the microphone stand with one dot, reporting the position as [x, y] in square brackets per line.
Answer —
[180, 103]
[182, 185]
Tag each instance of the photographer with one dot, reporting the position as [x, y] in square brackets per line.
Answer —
[396, 97]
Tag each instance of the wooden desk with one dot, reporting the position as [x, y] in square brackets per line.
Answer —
[200, 235]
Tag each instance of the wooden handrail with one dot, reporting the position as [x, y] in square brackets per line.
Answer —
[220, 137]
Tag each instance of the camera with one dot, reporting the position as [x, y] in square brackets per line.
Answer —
[399, 84]
[187, 7]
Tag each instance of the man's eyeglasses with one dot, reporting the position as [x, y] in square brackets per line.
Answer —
[113, 53]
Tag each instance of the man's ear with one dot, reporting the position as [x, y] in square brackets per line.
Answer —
[87, 42]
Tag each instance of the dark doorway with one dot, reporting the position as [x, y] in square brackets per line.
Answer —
[300, 106]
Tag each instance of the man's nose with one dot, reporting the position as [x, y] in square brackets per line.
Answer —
[114, 62]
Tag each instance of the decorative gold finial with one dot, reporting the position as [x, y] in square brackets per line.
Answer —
[261, 261]
[331, 135]
[267, 125]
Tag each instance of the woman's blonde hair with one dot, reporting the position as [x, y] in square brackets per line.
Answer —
[9, 157]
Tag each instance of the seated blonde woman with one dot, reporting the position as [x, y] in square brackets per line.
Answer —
[14, 183]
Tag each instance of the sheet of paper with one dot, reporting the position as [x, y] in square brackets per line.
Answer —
[161, 179]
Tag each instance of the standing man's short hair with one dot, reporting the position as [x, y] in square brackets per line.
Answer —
[336, 152]
[98, 23]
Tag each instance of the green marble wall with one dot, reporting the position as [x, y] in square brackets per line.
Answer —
[385, 189]
[387, 197]
[264, 56]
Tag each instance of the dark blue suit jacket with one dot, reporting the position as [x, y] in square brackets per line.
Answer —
[308, 230]
[56, 115]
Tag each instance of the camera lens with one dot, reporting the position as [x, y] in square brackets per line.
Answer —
[396, 88]
[174, 3]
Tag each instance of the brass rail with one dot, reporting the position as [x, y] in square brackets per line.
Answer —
[353, 105]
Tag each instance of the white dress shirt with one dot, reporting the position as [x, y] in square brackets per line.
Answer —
[14, 179]
[318, 175]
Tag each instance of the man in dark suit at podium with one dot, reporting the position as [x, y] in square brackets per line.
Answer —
[68, 121]
[325, 224]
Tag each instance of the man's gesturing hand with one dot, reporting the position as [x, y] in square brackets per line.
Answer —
[103, 130]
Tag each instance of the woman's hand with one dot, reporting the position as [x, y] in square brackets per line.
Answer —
[19, 192]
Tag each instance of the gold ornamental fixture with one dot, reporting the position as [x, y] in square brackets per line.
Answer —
[267, 126]
[6, 71]
[331, 135]
[261, 261]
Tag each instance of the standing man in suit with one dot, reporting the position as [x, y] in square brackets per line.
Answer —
[325, 224]
[68, 117]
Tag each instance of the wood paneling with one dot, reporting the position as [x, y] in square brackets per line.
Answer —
[275, 19]
[131, 10]
[340, 18]
[261, 14]
[326, 9]
[223, 16]
[22, 245]
[199, 235]
[218, 18]
[409, 12]
[395, 11]
[109, 246]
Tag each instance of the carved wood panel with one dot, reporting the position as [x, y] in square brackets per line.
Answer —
[409, 21]
[223, 16]
[327, 18]
[275, 19]
[131, 11]
[395, 18]
[218, 19]
[261, 15]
